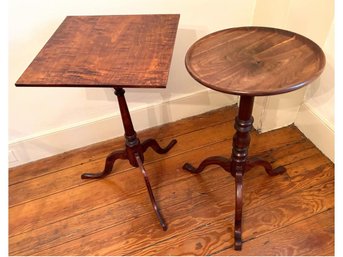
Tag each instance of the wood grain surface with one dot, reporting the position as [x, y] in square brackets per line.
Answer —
[54, 212]
[106, 51]
[254, 61]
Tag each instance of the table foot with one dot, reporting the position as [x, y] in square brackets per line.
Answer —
[110, 159]
[152, 198]
[156, 147]
[218, 160]
[238, 209]
[266, 165]
[238, 243]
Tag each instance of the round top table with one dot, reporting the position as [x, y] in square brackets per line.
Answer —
[255, 61]
[250, 61]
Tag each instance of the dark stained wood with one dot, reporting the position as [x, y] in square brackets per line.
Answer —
[110, 51]
[239, 159]
[254, 61]
[251, 61]
[133, 152]
[133, 145]
[66, 222]
[106, 51]
[239, 163]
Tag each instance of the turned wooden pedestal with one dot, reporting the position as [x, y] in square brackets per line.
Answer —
[113, 51]
[133, 152]
[250, 61]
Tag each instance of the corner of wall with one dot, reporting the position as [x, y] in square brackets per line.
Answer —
[317, 129]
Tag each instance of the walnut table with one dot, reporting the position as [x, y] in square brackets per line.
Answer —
[116, 51]
[249, 62]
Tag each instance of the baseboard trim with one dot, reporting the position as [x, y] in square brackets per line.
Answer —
[59, 140]
[317, 129]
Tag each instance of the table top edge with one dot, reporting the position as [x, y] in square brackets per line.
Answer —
[289, 88]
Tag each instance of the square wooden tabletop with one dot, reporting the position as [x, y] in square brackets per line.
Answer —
[106, 51]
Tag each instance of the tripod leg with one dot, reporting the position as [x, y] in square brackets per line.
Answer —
[266, 165]
[151, 195]
[238, 210]
[111, 158]
[156, 147]
[218, 160]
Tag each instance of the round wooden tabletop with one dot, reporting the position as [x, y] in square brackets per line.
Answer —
[254, 61]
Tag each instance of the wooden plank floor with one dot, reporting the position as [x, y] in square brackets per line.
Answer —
[53, 212]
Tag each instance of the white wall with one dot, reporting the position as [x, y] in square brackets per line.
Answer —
[320, 95]
[313, 19]
[47, 121]
[316, 115]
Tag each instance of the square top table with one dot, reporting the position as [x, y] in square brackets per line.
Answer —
[114, 51]
[106, 51]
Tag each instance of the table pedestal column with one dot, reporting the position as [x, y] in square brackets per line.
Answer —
[239, 163]
[134, 152]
